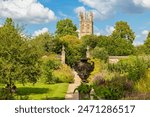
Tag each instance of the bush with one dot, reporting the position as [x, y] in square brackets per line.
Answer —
[135, 67]
[143, 85]
[100, 53]
[50, 63]
[84, 88]
[138, 69]
[64, 74]
[55, 72]
[114, 89]
[120, 67]
[97, 69]
[99, 79]
[49, 67]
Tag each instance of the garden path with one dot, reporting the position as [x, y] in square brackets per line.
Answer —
[70, 95]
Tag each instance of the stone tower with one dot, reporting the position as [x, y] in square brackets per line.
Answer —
[86, 24]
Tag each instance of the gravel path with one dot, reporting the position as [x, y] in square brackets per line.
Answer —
[70, 95]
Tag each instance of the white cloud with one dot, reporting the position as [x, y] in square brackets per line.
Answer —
[141, 37]
[142, 3]
[30, 11]
[104, 9]
[1, 25]
[41, 31]
[62, 14]
[79, 9]
[145, 32]
[97, 33]
[109, 29]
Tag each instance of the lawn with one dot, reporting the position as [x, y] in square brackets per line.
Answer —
[41, 91]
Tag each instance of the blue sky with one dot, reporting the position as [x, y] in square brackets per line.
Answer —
[39, 16]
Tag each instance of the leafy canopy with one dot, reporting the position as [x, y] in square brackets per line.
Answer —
[66, 27]
[123, 31]
[19, 60]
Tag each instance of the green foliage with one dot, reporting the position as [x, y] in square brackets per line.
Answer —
[140, 50]
[143, 85]
[138, 69]
[66, 27]
[123, 31]
[114, 89]
[44, 43]
[5, 94]
[20, 60]
[50, 64]
[55, 72]
[120, 67]
[147, 44]
[90, 40]
[63, 74]
[135, 67]
[72, 48]
[57, 45]
[97, 69]
[116, 47]
[100, 53]
[84, 88]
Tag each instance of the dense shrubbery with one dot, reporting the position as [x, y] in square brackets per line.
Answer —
[63, 74]
[100, 53]
[55, 72]
[97, 69]
[116, 47]
[143, 85]
[50, 64]
[127, 79]
[138, 69]
[135, 67]
[116, 88]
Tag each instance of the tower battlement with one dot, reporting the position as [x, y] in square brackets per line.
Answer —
[86, 23]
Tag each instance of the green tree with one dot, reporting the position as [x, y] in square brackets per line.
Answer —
[72, 47]
[123, 31]
[66, 27]
[147, 44]
[49, 67]
[148, 36]
[19, 60]
[100, 53]
[44, 43]
[90, 40]
[140, 50]
[116, 47]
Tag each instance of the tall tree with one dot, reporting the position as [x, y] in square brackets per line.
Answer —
[18, 60]
[123, 31]
[148, 35]
[66, 27]
[72, 48]
[90, 40]
[43, 42]
[147, 44]
[116, 47]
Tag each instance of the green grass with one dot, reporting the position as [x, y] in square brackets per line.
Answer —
[41, 91]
